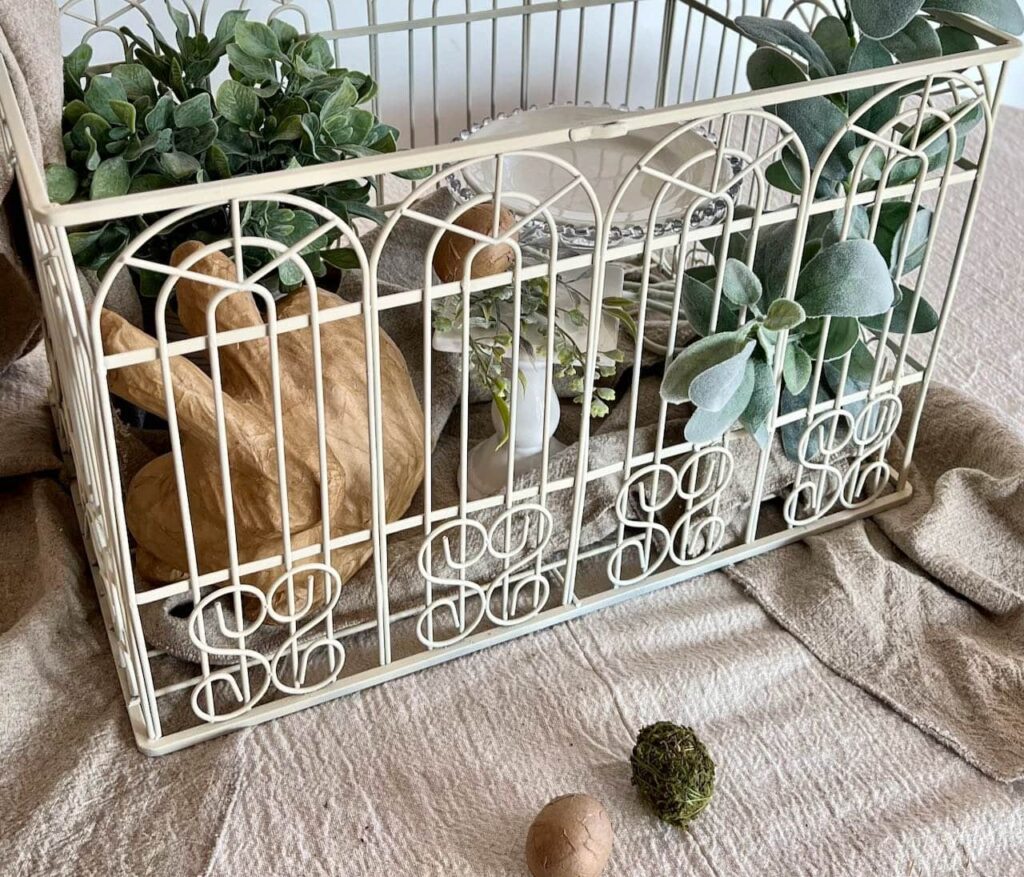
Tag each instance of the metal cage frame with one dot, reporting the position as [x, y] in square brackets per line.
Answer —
[531, 560]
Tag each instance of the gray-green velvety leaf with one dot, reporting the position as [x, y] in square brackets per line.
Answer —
[788, 36]
[196, 140]
[254, 69]
[796, 369]
[61, 183]
[713, 387]
[862, 366]
[698, 299]
[285, 33]
[699, 357]
[955, 41]
[194, 112]
[740, 285]
[775, 245]
[1003, 14]
[709, 426]
[815, 121]
[111, 179]
[843, 334]
[136, 80]
[780, 175]
[792, 433]
[848, 279]
[916, 42]
[161, 116]
[179, 166]
[784, 314]
[77, 63]
[125, 113]
[257, 40]
[770, 68]
[237, 103]
[860, 227]
[350, 126]
[883, 18]
[893, 221]
[343, 98]
[101, 91]
[872, 55]
[925, 320]
[830, 33]
[762, 399]
[225, 32]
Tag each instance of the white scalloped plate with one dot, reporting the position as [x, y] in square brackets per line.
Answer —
[604, 163]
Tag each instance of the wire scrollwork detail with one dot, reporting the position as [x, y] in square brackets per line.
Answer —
[699, 529]
[287, 668]
[517, 540]
[824, 479]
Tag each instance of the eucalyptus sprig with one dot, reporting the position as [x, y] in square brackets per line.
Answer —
[154, 122]
[491, 338]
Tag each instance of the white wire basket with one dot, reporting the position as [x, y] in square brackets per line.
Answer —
[360, 561]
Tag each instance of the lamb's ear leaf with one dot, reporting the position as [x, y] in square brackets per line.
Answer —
[707, 426]
[111, 179]
[859, 229]
[713, 387]
[787, 35]
[1003, 14]
[792, 433]
[871, 55]
[918, 41]
[843, 334]
[925, 319]
[700, 357]
[759, 408]
[784, 314]
[815, 121]
[830, 33]
[698, 301]
[739, 284]
[796, 369]
[768, 68]
[882, 20]
[893, 222]
[847, 279]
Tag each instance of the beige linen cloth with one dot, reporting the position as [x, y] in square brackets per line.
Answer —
[441, 773]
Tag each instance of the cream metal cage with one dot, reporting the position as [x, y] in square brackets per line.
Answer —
[512, 563]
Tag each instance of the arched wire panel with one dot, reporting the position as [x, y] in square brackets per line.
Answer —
[498, 568]
[676, 485]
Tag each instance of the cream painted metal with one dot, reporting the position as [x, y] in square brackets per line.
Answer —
[443, 65]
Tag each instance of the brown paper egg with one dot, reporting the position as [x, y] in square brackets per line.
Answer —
[571, 837]
[453, 248]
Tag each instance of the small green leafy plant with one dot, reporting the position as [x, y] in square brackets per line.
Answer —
[154, 122]
[491, 339]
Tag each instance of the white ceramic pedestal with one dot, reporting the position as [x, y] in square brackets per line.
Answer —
[488, 464]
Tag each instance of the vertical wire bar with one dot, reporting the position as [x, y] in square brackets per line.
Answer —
[954, 279]
[665, 54]
[630, 64]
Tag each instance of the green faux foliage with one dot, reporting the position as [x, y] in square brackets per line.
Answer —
[155, 122]
[854, 261]
[728, 376]
[491, 337]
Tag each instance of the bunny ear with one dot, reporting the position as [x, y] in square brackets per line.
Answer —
[245, 367]
[142, 384]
